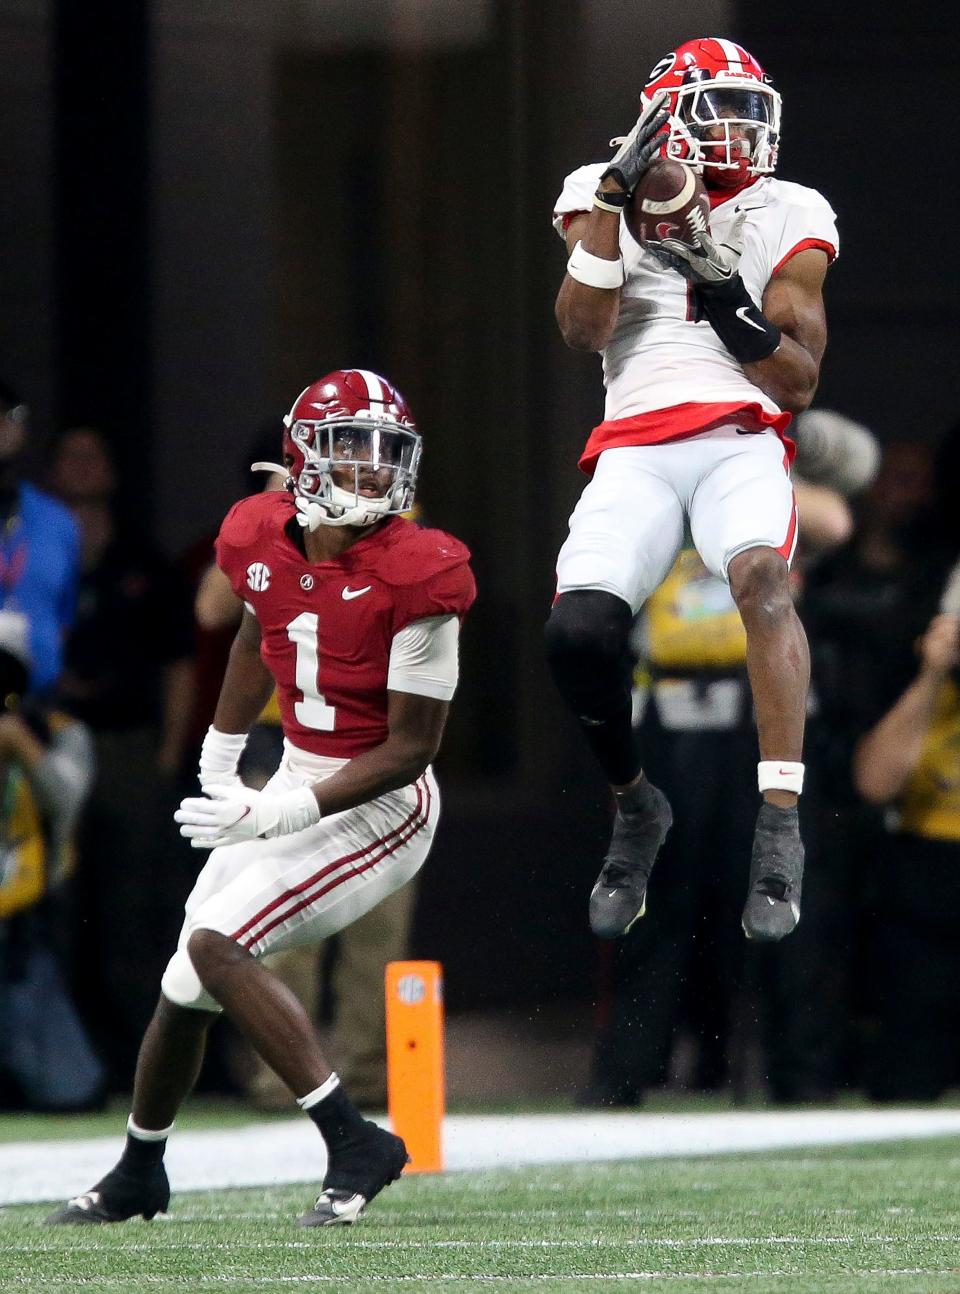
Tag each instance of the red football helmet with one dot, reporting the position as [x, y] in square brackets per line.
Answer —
[724, 112]
[351, 450]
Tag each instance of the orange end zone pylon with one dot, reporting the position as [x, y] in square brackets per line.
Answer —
[415, 1078]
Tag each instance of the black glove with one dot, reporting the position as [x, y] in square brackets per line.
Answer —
[719, 292]
[638, 149]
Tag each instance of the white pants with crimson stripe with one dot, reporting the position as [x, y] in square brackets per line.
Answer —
[269, 895]
[733, 488]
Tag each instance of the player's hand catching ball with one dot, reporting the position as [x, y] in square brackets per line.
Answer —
[706, 261]
[638, 149]
[227, 815]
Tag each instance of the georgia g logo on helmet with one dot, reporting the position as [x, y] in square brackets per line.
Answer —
[724, 111]
[351, 450]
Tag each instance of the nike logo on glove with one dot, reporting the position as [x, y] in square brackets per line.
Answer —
[348, 594]
[742, 314]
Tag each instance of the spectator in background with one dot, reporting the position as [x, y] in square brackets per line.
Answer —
[46, 767]
[129, 677]
[39, 550]
[864, 607]
[910, 762]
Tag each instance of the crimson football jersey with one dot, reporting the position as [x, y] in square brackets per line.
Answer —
[327, 627]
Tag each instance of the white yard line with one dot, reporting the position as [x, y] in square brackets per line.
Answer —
[589, 1242]
[276, 1153]
[581, 1278]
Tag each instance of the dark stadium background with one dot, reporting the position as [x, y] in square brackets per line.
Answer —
[203, 206]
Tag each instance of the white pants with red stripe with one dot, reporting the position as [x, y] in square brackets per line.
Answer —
[628, 527]
[269, 895]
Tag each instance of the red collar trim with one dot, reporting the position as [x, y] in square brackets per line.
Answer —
[718, 197]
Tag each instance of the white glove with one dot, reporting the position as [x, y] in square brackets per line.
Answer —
[219, 757]
[227, 815]
[708, 262]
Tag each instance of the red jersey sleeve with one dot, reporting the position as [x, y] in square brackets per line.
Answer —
[450, 591]
[430, 574]
[249, 530]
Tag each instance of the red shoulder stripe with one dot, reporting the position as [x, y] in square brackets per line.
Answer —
[804, 245]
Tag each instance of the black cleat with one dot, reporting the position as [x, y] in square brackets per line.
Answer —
[772, 909]
[116, 1198]
[356, 1173]
[619, 897]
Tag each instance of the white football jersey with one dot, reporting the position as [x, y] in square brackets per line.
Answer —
[657, 356]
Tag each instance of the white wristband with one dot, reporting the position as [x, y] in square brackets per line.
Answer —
[220, 754]
[594, 271]
[296, 810]
[780, 775]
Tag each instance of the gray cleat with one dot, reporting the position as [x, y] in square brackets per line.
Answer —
[772, 909]
[619, 897]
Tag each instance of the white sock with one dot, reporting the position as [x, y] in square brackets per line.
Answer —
[147, 1134]
[317, 1095]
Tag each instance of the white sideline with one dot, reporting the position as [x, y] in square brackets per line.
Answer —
[264, 1154]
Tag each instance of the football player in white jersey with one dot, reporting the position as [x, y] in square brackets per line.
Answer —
[707, 352]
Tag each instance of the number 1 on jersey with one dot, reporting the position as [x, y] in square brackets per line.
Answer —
[312, 711]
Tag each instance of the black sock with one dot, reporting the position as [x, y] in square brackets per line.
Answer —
[338, 1119]
[139, 1156]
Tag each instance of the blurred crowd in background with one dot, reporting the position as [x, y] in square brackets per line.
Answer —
[110, 661]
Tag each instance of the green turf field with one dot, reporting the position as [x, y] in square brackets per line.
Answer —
[858, 1219]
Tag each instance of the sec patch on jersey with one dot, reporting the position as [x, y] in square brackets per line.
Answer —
[669, 202]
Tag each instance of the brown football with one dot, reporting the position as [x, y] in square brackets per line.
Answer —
[669, 202]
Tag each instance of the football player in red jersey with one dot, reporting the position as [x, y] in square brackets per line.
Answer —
[353, 612]
[707, 352]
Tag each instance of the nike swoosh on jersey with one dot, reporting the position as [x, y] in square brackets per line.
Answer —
[742, 314]
[348, 594]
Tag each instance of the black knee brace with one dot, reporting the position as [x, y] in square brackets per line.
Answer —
[588, 649]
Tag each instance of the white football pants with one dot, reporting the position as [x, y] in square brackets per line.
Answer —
[269, 895]
[628, 526]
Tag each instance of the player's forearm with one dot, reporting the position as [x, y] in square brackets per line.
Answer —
[587, 314]
[247, 687]
[397, 762]
[887, 756]
[789, 376]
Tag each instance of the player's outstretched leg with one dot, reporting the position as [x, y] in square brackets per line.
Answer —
[167, 1068]
[778, 662]
[588, 648]
[362, 1158]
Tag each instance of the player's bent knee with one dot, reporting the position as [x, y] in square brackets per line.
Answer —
[760, 583]
[211, 952]
[588, 650]
[182, 985]
[587, 625]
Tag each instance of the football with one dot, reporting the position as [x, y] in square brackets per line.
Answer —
[669, 202]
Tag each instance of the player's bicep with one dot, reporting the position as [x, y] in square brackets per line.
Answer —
[575, 230]
[417, 722]
[793, 300]
[421, 680]
[248, 634]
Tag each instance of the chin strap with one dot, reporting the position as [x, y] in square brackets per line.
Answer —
[311, 516]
